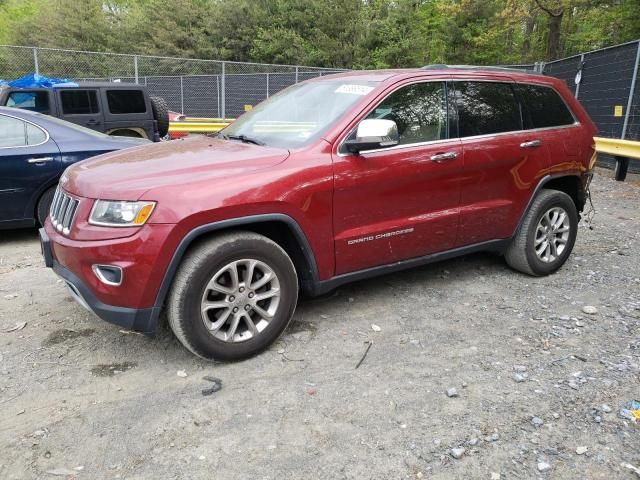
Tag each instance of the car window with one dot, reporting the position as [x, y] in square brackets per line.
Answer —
[79, 102]
[543, 107]
[126, 101]
[34, 101]
[35, 135]
[419, 110]
[486, 108]
[12, 132]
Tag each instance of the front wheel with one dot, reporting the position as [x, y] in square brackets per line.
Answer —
[547, 235]
[44, 205]
[233, 296]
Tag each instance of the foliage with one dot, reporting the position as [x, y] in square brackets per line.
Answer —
[331, 33]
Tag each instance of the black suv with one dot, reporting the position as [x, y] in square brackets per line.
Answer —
[122, 109]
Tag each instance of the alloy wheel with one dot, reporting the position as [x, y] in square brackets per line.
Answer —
[240, 300]
[552, 234]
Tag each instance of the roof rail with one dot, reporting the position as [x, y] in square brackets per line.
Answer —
[442, 66]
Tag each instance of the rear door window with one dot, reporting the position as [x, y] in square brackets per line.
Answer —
[126, 101]
[12, 132]
[79, 102]
[543, 107]
[36, 101]
[17, 133]
[486, 108]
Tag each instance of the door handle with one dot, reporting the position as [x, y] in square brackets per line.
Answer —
[92, 122]
[40, 161]
[440, 157]
[531, 144]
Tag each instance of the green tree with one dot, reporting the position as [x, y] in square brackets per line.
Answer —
[331, 33]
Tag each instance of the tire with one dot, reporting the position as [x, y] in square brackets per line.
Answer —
[622, 166]
[211, 263]
[160, 111]
[44, 205]
[522, 255]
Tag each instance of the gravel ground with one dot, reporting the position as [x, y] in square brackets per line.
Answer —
[475, 371]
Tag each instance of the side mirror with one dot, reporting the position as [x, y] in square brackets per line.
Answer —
[374, 133]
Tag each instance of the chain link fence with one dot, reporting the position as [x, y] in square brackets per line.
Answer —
[605, 83]
[210, 88]
[201, 88]
[607, 87]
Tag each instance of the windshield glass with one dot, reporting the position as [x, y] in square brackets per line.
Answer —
[299, 114]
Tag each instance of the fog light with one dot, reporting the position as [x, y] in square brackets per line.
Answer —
[108, 274]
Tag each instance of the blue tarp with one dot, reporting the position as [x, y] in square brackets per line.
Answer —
[38, 81]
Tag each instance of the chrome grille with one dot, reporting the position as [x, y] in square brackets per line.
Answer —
[63, 209]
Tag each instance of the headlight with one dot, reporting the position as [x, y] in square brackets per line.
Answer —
[110, 213]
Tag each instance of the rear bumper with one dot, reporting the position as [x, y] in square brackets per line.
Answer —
[143, 320]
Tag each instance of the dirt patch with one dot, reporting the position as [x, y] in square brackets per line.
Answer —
[111, 369]
[62, 335]
[297, 327]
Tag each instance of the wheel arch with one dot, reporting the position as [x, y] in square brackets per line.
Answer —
[280, 228]
[139, 132]
[569, 184]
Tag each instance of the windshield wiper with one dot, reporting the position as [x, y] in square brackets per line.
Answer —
[217, 135]
[244, 139]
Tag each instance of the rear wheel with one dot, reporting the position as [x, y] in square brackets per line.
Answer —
[233, 296]
[622, 166]
[547, 235]
[44, 205]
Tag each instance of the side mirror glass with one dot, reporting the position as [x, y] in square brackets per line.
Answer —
[374, 133]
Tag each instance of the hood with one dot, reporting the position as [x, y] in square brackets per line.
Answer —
[126, 142]
[127, 174]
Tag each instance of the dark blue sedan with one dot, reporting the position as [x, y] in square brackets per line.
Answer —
[34, 151]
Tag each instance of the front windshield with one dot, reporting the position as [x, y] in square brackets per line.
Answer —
[299, 114]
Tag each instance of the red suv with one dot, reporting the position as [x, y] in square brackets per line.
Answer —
[332, 180]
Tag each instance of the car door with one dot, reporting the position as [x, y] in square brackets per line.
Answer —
[502, 163]
[81, 106]
[29, 160]
[400, 202]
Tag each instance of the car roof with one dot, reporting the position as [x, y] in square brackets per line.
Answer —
[95, 84]
[439, 70]
[83, 84]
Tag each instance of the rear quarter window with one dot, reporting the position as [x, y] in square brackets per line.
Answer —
[543, 107]
[486, 107]
[37, 101]
[126, 101]
[35, 135]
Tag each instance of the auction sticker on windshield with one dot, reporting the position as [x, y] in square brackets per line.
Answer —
[354, 89]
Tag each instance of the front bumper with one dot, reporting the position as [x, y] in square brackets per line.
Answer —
[143, 320]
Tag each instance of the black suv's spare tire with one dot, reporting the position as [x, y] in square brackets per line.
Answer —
[160, 114]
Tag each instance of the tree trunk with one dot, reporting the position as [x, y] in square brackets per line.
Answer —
[528, 31]
[553, 41]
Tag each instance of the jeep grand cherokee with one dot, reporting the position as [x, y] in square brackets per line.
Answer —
[332, 180]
